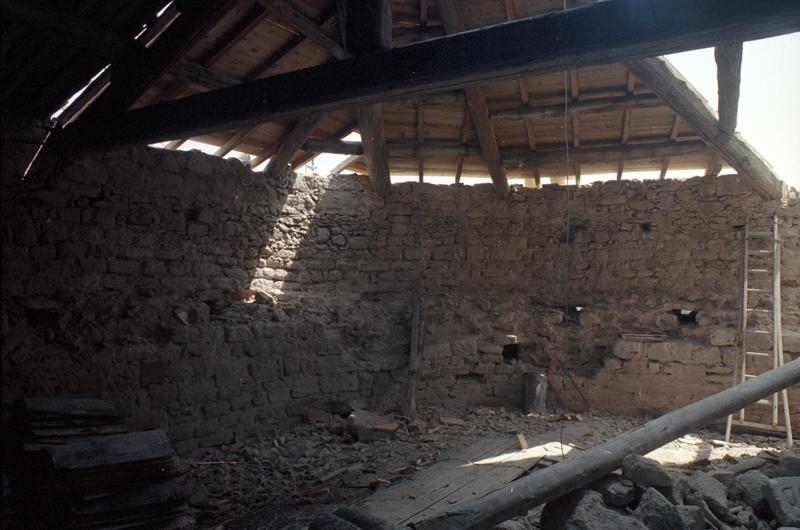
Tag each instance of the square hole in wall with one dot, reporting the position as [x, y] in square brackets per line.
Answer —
[686, 317]
[511, 352]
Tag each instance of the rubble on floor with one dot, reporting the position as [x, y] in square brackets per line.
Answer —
[754, 493]
[294, 475]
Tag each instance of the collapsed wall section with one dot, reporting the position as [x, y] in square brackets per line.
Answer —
[213, 303]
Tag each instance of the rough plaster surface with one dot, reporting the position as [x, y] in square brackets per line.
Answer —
[214, 304]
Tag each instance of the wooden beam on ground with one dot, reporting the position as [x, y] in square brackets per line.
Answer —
[678, 93]
[479, 109]
[293, 141]
[367, 29]
[578, 471]
[605, 104]
[729, 74]
[295, 18]
[604, 32]
[75, 30]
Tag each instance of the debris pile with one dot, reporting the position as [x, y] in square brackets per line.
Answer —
[758, 493]
[73, 464]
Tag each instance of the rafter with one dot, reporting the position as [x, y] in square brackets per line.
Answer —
[296, 19]
[678, 93]
[611, 31]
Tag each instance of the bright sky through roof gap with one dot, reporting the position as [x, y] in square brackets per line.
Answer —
[769, 104]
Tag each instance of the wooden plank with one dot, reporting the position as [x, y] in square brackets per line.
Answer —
[601, 33]
[402, 501]
[111, 450]
[679, 94]
[287, 12]
[292, 143]
[603, 104]
[479, 109]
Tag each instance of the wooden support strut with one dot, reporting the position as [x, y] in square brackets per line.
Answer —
[479, 109]
[295, 18]
[729, 74]
[293, 141]
[367, 29]
[610, 31]
[580, 470]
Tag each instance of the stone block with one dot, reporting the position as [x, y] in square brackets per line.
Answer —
[783, 497]
[627, 349]
[722, 337]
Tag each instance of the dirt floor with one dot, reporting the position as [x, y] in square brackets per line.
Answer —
[284, 481]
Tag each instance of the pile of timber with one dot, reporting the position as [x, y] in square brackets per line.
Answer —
[73, 464]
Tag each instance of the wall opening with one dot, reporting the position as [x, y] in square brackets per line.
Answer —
[511, 352]
[686, 317]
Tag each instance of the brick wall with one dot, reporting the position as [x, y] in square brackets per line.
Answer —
[208, 301]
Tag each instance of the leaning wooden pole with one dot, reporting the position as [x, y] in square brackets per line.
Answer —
[578, 471]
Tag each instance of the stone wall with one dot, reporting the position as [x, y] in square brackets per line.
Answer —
[209, 302]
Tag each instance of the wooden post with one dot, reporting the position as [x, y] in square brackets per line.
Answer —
[410, 403]
[578, 471]
[367, 27]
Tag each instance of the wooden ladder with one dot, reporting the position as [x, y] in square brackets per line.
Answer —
[755, 269]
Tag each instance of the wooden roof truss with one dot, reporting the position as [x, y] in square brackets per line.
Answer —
[285, 79]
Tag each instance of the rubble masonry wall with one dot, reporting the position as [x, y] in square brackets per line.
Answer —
[213, 304]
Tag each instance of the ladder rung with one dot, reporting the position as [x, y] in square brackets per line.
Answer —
[752, 290]
[759, 251]
[758, 353]
[750, 376]
[758, 331]
[759, 310]
[760, 271]
[762, 426]
[763, 402]
[760, 234]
